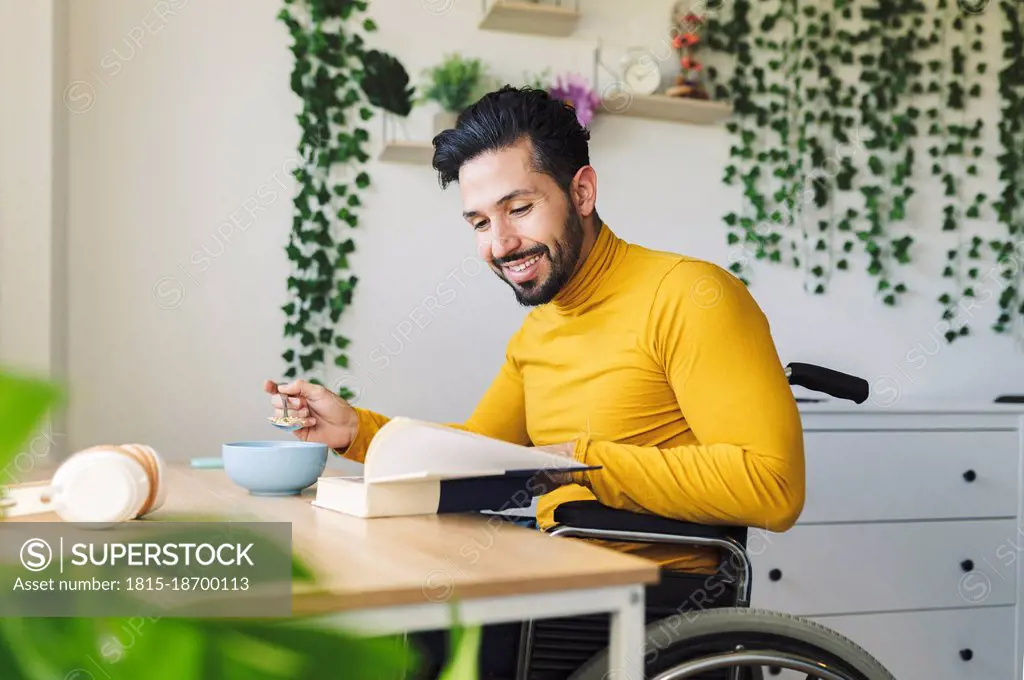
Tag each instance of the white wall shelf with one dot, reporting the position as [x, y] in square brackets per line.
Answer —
[663, 107]
[529, 17]
[412, 153]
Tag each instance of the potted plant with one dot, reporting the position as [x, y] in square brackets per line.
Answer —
[453, 84]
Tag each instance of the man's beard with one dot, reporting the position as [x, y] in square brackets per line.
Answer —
[563, 264]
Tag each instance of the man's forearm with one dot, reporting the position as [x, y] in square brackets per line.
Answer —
[707, 484]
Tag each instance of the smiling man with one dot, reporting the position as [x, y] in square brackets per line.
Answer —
[657, 367]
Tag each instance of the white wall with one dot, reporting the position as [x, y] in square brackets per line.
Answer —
[33, 162]
[33, 205]
[181, 111]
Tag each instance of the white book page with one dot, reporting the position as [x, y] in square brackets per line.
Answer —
[406, 447]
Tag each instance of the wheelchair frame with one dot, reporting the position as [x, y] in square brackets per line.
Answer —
[690, 534]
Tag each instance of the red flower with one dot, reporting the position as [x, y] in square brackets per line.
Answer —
[677, 42]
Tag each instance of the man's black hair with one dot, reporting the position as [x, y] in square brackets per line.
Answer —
[502, 118]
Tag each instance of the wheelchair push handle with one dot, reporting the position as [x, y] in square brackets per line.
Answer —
[834, 383]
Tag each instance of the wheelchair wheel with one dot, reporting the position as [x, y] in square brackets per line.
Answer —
[744, 643]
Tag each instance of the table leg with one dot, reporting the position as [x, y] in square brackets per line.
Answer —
[626, 647]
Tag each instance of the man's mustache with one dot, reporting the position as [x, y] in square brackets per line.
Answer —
[523, 254]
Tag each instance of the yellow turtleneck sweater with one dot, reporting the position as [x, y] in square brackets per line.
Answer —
[663, 371]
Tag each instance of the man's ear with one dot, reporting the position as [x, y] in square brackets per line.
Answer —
[584, 190]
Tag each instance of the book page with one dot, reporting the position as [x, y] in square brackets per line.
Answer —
[405, 447]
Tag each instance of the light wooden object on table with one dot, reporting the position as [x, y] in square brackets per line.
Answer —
[527, 17]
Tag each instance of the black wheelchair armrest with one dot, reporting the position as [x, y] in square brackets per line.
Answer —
[593, 515]
[590, 519]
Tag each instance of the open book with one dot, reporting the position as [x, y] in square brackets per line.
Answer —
[419, 468]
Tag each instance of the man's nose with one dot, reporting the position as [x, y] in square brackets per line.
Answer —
[504, 242]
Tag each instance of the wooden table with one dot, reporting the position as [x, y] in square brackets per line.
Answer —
[408, 574]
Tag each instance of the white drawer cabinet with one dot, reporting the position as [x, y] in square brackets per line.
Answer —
[963, 644]
[911, 541]
[902, 566]
[873, 476]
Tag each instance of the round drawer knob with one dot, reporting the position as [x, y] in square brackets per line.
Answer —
[967, 565]
[970, 476]
[774, 670]
[775, 574]
[966, 654]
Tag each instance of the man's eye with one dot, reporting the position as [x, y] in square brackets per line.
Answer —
[480, 225]
[522, 211]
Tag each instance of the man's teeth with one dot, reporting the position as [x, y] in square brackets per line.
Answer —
[524, 265]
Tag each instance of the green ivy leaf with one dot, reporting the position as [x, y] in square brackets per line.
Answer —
[889, 300]
[362, 180]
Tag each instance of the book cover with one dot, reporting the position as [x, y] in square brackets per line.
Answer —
[415, 467]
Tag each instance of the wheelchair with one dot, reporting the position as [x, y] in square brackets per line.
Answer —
[718, 637]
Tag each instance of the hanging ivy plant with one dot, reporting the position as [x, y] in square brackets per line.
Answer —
[1010, 206]
[886, 107]
[915, 72]
[335, 77]
[955, 150]
[732, 34]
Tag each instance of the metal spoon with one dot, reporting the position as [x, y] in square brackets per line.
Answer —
[281, 423]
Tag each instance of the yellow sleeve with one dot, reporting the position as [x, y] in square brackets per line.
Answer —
[714, 344]
[500, 414]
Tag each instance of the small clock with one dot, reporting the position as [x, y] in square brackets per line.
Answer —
[640, 72]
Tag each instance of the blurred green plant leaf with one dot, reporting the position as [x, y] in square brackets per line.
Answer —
[386, 83]
[465, 651]
[24, 401]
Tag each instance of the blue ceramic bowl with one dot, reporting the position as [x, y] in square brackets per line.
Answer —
[274, 468]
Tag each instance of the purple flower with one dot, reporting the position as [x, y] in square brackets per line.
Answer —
[574, 91]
